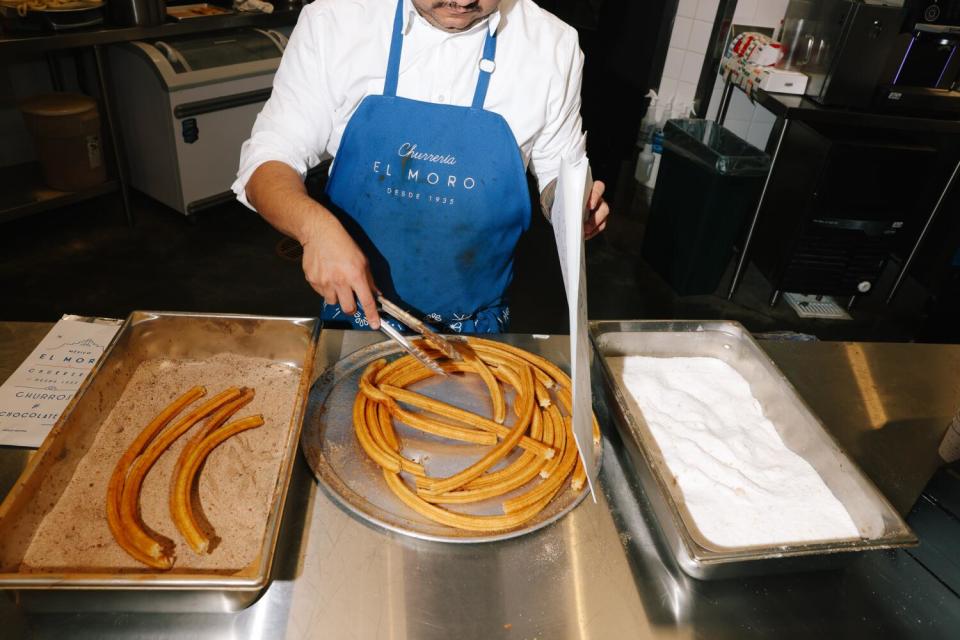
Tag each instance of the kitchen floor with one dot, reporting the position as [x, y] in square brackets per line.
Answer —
[85, 260]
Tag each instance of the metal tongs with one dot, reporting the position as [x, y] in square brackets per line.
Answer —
[435, 340]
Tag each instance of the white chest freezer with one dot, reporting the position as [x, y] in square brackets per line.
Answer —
[186, 104]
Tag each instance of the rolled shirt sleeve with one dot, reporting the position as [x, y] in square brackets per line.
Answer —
[295, 123]
[562, 135]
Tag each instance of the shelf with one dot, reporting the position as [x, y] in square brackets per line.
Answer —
[16, 44]
[804, 109]
[22, 192]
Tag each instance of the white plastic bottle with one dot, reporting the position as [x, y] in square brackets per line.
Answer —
[648, 126]
[649, 123]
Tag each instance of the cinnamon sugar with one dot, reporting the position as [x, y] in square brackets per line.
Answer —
[236, 485]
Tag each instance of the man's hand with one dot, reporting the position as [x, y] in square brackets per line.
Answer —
[332, 262]
[336, 268]
[597, 210]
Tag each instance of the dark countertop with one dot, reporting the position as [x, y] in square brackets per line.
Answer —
[806, 110]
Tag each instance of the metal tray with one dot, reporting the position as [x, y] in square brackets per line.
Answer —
[880, 525]
[144, 336]
[357, 483]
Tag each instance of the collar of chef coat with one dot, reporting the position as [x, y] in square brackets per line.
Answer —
[491, 22]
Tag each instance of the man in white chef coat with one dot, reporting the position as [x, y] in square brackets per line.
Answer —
[432, 111]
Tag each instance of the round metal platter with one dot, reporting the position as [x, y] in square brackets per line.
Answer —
[356, 482]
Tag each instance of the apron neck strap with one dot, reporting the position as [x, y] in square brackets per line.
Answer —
[487, 64]
[396, 46]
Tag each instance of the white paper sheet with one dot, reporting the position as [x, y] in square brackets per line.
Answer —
[570, 200]
[33, 397]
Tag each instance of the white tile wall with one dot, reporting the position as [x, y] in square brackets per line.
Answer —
[758, 133]
[687, 8]
[689, 42]
[692, 65]
[770, 12]
[707, 9]
[681, 32]
[740, 106]
[673, 65]
[668, 88]
[686, 91]
[700, 36]
[762, 115]
[739, 127]
[745, 12]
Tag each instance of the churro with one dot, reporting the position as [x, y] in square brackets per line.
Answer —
[541, 427]
[153, 546]
[126, 481]
[119, 476]
[181, 504]
[182, 510]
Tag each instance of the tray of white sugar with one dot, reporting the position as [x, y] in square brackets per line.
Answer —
[741, 475]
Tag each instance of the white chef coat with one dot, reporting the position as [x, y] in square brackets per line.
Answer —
[338, 52]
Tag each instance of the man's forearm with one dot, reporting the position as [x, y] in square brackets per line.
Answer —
[333, 264]
[278, 194]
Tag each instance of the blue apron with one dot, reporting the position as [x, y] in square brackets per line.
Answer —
[436, 198]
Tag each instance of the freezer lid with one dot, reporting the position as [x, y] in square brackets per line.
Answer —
[224, 48]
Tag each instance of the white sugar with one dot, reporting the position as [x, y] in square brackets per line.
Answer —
[740, 482]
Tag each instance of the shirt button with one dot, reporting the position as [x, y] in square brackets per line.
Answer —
[441, 98]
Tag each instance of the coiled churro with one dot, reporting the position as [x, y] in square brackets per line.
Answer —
[542, 428]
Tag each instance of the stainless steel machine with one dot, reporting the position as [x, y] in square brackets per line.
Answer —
[924, 71]
[897, 54]
[185, 106]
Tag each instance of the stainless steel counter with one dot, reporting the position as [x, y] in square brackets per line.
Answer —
[600, 572]
[888, 404]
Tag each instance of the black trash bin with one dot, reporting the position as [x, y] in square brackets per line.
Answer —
[709, 183]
